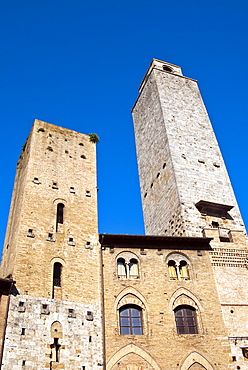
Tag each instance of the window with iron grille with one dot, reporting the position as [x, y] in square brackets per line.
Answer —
[131, 320]
[185, 317]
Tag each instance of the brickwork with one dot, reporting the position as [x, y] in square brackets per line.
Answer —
[159, 296]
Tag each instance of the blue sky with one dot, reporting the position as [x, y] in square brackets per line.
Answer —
[78, 64]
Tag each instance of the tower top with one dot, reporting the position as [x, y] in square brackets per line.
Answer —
[162, 66]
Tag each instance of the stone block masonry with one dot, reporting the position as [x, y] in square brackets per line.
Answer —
[34, 324]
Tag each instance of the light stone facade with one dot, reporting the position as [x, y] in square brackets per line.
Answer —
[29, 336]
[179, 158]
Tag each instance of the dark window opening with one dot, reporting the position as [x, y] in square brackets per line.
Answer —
[23, 362]
[23, 331]
[55, 350]
[167, 68]
[131, 320]
[185, 317]
[90, 338]
[60, 215]
[57, 269]
[215, 224]
[21, 304]
[234, 358]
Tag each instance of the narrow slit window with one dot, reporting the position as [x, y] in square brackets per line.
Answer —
[60, 215]
[57, 270]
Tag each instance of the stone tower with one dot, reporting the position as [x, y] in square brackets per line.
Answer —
[183, 177]
[185, 187]
[51, 251]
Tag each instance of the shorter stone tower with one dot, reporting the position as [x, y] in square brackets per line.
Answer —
[51, 251]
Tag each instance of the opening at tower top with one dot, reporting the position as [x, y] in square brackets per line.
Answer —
[167, 68]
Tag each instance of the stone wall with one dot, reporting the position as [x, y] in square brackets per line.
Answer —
[30, 335]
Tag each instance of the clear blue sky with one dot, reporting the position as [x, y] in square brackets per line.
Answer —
[78, 64]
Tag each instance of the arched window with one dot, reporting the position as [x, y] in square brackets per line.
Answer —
[185, 317]
[60, 215]
[128, 266]
[183, 270]
[172, 270]
[133, 269]
[57, 269]
[178, 267]
[121, 268]
[131, 320]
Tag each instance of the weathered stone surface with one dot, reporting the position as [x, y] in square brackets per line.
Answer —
[29, 338]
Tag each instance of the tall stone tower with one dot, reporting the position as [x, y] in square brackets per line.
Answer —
[51, 251]
[183, 177]
[185, 187]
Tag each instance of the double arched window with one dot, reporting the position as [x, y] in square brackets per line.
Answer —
[178, 267]
[131, 320]
[127, 267]
[186, 322]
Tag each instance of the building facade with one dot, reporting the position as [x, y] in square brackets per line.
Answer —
[174, 298]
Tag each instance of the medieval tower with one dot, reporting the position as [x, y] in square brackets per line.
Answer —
[52, 255]
[174, 298]
[185, 187]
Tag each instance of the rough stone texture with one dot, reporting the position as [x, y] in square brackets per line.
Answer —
[52, 154]
[178, 156]
[57, 165]
[34, 346]
[161, 347]
[180, 164]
